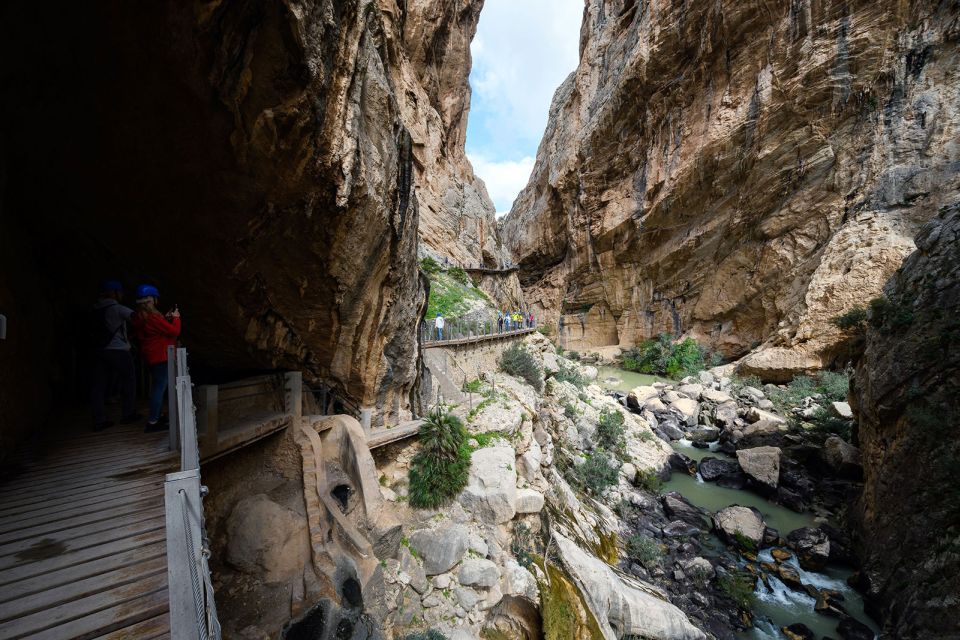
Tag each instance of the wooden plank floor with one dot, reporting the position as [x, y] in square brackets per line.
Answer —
[82, 539]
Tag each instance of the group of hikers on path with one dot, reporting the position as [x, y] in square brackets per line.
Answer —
[513, 320]
[113, 366]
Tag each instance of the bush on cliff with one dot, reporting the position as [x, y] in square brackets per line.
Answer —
[610, 430]
[517, 361]
[439, 472]
[665, 357]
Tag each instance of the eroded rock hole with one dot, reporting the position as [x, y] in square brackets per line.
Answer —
[310, 626]
[352, 594]
[341, 493]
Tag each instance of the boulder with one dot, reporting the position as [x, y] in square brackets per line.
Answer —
[679, 508]
[638, 396]
[466, 597]
[704, 434]
[698, 568]
[416, 576]
[680, 529]
[828, 604]
[670, 427]
[755, 414]
[852, 629]
[529, 501]
[798, 631]
[491, 491]
[716, 397]
[529, 463]
[688, 409]
[680, 462]
[739, 525]
[441, 548]
[589, 373]
[622, 605]
[475, 572]
[712, 469]
[812, 546]
[267, 540]
[762, 465]
[655, 406]
[790, 577]
[518, 581]
[778, 364]
[762, 433]
[751, 394]
[842, 457]
[841, 410]
[725, 414]
[692, 391]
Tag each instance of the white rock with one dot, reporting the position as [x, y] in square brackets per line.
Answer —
[267, 539]
[441, 581]
[688, 408]
[842, 410]
[762, 464]
[491, 491]
[638, 396]
[477, 544]
[716, 397]
[529, 462]
[628, 471]
[492, 598]
[590, 373]
[755, 414]
[621, 602]
[466, 597]
[442, 548]
[518, 581]
[478, 573]
[529, 501]
[692, 391]
[736, 520]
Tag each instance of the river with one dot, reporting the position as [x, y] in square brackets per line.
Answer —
[777, 606]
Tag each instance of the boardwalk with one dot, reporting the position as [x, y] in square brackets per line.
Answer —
[82, 539]
[452, 342]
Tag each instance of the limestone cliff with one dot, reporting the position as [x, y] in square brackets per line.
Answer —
[265, 163]
[906, 393]
[739, 171]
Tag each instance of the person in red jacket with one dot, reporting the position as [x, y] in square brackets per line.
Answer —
[156, 332]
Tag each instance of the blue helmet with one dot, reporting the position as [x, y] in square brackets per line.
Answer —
[110, 286]
[147, 290]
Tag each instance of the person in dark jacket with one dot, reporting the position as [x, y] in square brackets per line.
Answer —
[155, 332]
[112, 361]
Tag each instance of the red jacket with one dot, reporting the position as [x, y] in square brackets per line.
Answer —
[155, 334]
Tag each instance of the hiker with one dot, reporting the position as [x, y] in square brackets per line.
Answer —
[531, 324]
[112, 361]
[439, 325]
[499, 322]
[155, 332]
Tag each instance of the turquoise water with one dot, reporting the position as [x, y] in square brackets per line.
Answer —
[626, 380]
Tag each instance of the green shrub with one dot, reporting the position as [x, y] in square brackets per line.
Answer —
[517, 361]
[574, 355]
[739, 586]
[644, 550]
[739, 383]
[610, 430]
[429, 266]
[853, 318]
[825, 423]
[459, 275]
[570, 411]
[430, 634]
[833, 385]
[596, 474]
[799, 388]
[440, 469]
[571, 374]
[889, 317]
[559, 350]
[649, 480]
[545, 330]
[666, 358]
[474, 386]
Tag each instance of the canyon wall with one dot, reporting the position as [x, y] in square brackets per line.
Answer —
[738, 171]
[266, 164]
[907, 399]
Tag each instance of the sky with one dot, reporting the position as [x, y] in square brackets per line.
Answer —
[523, 50]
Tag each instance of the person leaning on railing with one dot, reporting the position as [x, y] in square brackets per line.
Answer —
[155, 332]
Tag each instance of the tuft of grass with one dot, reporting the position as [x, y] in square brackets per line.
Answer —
[739, 586]
[474, 386]
[570, 411]
[644, 550]
[439, 471]
[610, 430]
[517, 361]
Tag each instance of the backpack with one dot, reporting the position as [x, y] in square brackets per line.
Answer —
[99, 333]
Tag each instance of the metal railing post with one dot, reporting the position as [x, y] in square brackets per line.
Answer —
[174, 426]
[293, 395]
[189, 458]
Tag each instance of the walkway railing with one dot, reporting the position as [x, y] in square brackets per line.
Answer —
[460, 330]
[193, 612]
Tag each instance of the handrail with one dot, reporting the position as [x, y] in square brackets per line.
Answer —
[193, 610]
[460, 330]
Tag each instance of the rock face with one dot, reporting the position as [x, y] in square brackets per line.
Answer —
[267, 540]
[687, 184]
[491, 492]
[906, 395]
[274, 177]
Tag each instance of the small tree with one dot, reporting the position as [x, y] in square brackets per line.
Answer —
[439, 472]
[517, 361]
[610, 430]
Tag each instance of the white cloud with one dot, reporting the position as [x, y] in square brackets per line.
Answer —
[504, 179]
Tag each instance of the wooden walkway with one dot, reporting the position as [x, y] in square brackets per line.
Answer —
[453, 342]
[82, 539]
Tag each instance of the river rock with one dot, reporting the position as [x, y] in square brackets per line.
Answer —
[671, 428]
[842, 457]
[698, 568]
[589, 372]
[751, 394]
[790, 576]
[622, 603]
[716, 397]
[680, 529]
[678, 507]
[780, 555]
[638, 396]
[267, 540]
[725, 414]
[841, 410]
[711, 469]
[688, 409]
[736, 521]
[681, 462]
[798, 631]
[761, 464]
[475, 572]
[703, 434]
[491, 491]
[755, 414]
[441, 548]
[828, 605]
[762, 433]
[812, 546]
[691, 390]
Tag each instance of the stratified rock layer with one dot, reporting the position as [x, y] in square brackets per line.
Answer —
[738, 170]
[907, 400]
